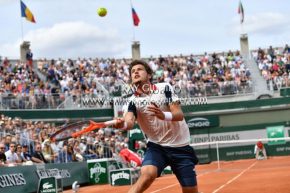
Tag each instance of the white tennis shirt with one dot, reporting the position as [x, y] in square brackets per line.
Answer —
[165, 133]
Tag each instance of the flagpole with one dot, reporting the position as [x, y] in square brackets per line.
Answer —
[242, 28]
[21, 22]
[133, 24]
[243, 17]
[21, 29]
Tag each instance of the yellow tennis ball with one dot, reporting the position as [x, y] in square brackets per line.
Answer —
[102, 12]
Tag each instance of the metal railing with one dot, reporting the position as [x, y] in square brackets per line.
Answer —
[68, 101]
[225, 88]
[36, 101]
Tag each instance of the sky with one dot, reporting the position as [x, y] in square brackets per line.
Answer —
[72, 28]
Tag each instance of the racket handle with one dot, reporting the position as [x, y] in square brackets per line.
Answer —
[110, 123]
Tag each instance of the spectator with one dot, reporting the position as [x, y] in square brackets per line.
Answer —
[3, 159]
[78, 154]
[7, 141]
[286, 49]
[77, 151]
[25, 153]
[11, 155]
[66, 154]
[83, 145]
[29, 58]
[6, 63]
[37, 156]
[48, 152]
[271, 53]
[19, 152]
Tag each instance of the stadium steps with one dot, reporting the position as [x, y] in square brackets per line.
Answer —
[260, 86]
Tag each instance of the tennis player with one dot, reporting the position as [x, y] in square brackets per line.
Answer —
[157, 110]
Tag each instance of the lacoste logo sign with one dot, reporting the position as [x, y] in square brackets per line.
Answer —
[47, 185]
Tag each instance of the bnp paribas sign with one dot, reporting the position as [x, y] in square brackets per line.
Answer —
[202, 122]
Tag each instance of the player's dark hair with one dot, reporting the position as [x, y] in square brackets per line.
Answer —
[143, 63]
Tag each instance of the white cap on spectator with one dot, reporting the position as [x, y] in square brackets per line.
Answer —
[101, 132]
[47, 141]
[79, 157]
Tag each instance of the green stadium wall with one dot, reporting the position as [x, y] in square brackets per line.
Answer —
[25, 178]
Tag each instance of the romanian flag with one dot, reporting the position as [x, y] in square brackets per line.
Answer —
[25, 12]
[241, 11]
[136, 19]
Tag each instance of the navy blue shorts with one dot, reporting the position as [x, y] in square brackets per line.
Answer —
[182, 161]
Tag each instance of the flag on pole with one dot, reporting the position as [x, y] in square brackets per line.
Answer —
[241, 12]
[136, 19]
[25, 12]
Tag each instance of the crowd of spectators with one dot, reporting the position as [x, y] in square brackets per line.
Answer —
[215, 74]
[274, 65]
[208, 75]
[205, 75]
[22, 88]
[27, 142]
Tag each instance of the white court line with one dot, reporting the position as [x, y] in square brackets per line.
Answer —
[231, 180]
[175, 183]
[165, 188]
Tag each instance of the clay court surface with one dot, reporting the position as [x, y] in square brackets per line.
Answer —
[242, 176]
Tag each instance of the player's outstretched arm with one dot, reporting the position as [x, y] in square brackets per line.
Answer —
[175, 109]
[175, 113]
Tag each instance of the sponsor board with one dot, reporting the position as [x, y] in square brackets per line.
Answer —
[202, 122]
[47, 185]
[57, 173]
[99, 170]
[22, 179]
[10, 180]
[123, 177]
[126, 176]
[228, 136]
[276, 132]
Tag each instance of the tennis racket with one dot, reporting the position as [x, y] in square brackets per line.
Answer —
[79, 128]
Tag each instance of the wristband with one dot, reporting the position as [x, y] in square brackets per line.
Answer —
[125, 126]
[168, 116]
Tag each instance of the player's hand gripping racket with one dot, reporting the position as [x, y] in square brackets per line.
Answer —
[78, 128]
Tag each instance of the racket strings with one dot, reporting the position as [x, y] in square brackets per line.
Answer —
[67, 129]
